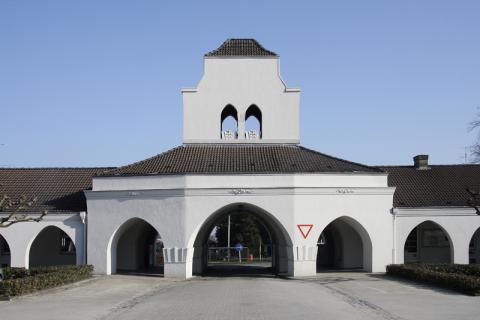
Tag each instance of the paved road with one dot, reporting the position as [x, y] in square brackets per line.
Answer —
[327, 296]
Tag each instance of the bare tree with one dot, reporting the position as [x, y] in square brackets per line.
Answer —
[475, 125]
[13, 209]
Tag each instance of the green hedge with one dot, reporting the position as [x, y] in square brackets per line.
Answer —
[464, 278]
[21, 281]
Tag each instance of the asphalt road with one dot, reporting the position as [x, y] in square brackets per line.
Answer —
[327, 296]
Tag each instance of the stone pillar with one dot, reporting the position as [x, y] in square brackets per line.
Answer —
[241, 126]
[176, 264]
[460, 250]
[305, 261]
[18, 256]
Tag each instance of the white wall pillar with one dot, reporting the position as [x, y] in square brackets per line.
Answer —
[176, 264]
[305, 261]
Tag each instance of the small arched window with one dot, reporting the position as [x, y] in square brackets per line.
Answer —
[253, 123]
[229, 123]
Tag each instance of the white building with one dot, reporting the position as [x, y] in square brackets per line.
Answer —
[320, 211]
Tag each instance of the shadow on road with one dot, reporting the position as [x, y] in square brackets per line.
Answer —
[238, 270]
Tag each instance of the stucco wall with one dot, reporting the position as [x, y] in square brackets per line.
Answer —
[21, 236]
[459, 224]
[179, 214]
[241, 82]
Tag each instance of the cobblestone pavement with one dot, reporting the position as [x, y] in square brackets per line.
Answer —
[326, 296]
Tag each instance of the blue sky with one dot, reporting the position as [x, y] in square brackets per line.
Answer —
[95, 83]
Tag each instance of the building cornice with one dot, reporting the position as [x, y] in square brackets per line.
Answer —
[236, 192]
[434, 211]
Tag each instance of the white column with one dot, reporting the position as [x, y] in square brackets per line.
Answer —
[305, 261]
[176, 264]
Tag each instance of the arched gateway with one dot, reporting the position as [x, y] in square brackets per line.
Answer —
[268, 251]
[255, 173]
[292, 210]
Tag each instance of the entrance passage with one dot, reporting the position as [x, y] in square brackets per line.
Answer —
[428, 243]
[240, 240]
[344, 244]
[52, 247]
[4, 253]
[474, 248]
[139, 249]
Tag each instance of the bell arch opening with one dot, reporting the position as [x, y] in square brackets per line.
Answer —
[136, 248]
[344, 244]
[52, 247]
[5, 255]
[253, 123]
[474, 248]
[258, 245]
[428, 242]
[229, 123]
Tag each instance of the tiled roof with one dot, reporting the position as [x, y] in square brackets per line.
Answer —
[241, 47]
[238, 159]
[438, 186]
[57, 189]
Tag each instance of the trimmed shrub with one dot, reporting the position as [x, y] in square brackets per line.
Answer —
[464, 278]
[21, 281]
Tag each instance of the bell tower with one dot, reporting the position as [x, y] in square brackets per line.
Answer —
[241, 98]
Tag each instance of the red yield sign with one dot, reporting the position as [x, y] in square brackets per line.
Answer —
[305, 229]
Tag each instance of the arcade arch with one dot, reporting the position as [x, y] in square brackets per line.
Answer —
[52, 247]
[136, 246]
[474, 248]
[428, 242]
[344, 244]
[5, 254]
[276, 244]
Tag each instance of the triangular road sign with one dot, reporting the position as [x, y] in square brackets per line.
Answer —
[305, 229]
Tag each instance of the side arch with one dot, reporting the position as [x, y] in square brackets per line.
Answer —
[428, 242]
[137, 239]
[474, 248]
[283, 261]
[5, 253]
[350, 253]
[51, 246]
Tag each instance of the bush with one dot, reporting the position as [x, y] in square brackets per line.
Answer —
[464, 278]
[21, 281]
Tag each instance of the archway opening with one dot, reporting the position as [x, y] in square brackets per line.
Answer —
[229, 123]
[52, 247]
[253, 123]
[4, 253]
[428, 243]
[255, 244]
[344, 245]
[137, 249]
[474, 248]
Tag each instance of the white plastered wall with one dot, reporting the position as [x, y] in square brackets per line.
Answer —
[20, 236]
[241, 82]
[178, 207]
[459, 224]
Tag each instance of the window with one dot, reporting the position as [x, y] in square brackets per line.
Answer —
[253, 123]
[66, 244]
[434, 238]
[229, 123]
[4, 248]
[411, 243]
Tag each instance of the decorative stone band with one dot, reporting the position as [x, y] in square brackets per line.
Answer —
[175, 255]
[304, 253]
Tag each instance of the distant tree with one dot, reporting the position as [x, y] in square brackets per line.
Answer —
[11, 210]
[245, 228]
[475, 126]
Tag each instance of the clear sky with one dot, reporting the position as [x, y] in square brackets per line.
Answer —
[97, 83]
